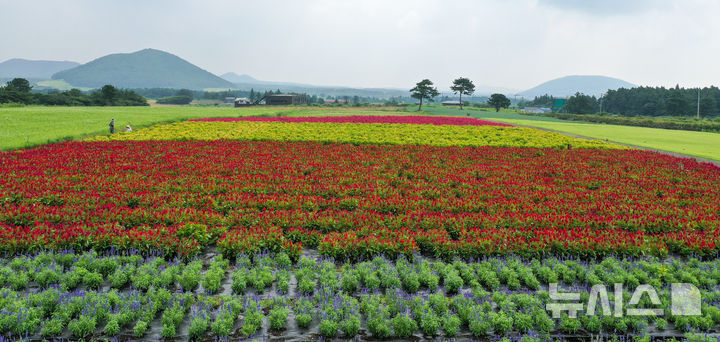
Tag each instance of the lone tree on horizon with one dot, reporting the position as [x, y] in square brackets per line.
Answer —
[462, 86]
[498, 101]
[424, 90]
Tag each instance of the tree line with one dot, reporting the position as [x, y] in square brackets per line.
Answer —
[641, 101]
[19, 91]
[461, 86]
[660, 101]
[171, 94]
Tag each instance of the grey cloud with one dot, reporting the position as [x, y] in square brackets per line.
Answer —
[607, 7]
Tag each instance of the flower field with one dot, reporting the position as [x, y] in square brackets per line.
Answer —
[352, 227]
[356, 200]
[47, 295]
[389, 119]
[360, 133]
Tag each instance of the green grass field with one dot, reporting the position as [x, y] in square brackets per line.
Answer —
[698, 144]
[31, 126]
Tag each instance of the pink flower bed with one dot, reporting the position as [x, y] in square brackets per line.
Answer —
[414, 119]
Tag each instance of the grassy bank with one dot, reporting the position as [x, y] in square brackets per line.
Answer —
[699, 144]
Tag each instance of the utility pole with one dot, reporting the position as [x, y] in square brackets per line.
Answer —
[698, 105]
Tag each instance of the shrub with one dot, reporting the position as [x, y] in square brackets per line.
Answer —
[403, 325]
[378, 327]
[140, 328]
[410, 282]
[83, 326]
[350, 326]
[238, 281]
[328, 328]
[198, 327]
[451, 324]
[430, 324]
[306, 286]
[112, 328]
[349, 282]
[46, 277]
[93, 280]
[278, 317]
[543, 322]
[303, 320]
[523, 322]
[480, 327]
[453, 282]
[52, 328]
[179, 100]
[502, 323]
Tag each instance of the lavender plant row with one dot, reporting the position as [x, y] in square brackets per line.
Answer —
[88, 296]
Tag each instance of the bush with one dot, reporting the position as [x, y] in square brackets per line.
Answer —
[178, 99]
[52, 328]
[83, 326]
[451, 324]
[430, 324]
[278, 317]
[93, 280]
[350, 326]
[378, 327]
[328, 328]
[140, 328]
[453, 282]
[112, 327]
[303, 320]
[403, 325]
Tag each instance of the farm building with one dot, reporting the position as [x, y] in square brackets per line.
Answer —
[536, 110]
[286, 99]
[242, 102]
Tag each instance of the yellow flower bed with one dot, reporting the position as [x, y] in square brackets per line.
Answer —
[398, 134]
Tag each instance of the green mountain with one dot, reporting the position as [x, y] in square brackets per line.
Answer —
[235, 78]
[18, 67]
[147, 68]
[569, 85]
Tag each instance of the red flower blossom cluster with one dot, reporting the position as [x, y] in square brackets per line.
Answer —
[257, 239]
[373, 119]
[355, 201]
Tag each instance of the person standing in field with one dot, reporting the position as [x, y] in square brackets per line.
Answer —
[112, 126]
[128, 128]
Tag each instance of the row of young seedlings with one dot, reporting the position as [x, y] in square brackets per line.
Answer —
[335, 313]
[92, 271]
[321, 281]
[487, 278]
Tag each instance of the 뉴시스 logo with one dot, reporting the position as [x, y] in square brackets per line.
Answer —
[685, 301]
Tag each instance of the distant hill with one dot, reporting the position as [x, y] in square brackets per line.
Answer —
[235, 78]
[569, 85]
[247, 82]
[147, 68]
[18, 67]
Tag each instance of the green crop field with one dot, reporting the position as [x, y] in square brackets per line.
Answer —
[30, 126]
[699, 144]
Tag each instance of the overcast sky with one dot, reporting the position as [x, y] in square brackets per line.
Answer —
[386, 43]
